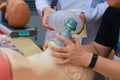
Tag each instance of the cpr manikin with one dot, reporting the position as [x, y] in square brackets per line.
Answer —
[41, 66]
[17, 13]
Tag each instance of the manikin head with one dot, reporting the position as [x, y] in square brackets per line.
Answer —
[17, 13]
[42, 67]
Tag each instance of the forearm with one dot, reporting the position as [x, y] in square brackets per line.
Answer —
[103, 65]
[98, 49]
[84, 55]
[108, 68]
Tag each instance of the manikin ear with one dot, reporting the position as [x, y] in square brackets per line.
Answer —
[79, 73]
[74, 72]
[3, 5]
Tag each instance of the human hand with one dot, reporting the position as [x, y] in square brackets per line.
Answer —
[72, 53]
[83, 19]
[46, 12]
[3, 5]
[45, 45]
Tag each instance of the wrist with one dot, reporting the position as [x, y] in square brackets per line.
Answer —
[46, 8]
[93, 60]
[88, 59]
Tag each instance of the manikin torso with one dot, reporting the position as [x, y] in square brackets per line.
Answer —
[42, 67]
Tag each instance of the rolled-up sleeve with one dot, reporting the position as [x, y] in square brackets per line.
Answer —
[94, 14]
[40, 4]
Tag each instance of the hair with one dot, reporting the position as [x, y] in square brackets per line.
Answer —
[18, 13]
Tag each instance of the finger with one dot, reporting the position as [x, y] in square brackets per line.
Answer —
[82, 28]
[76, 41]
[45, 23]
[59, 55]
[45, 46]
[64, 39]
[44, 20]
[83, 20]
[3, 5]
[58, 49]
[48, 26]
[64, 61]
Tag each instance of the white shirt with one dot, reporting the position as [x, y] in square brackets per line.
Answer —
[93, 15]
[64, 4]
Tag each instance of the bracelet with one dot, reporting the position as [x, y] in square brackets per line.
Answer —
[93, 60]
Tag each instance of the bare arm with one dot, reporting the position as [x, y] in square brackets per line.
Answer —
[79, 55]
[46, 12]
[3, 5]
[98, 49]
[43, 8]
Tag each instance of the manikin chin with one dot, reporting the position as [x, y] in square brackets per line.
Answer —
[42, 67]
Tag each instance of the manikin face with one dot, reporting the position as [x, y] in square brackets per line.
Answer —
[17, 13]
[114, 3]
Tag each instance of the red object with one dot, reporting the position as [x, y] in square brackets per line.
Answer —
[5, 73]
[1, 32]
